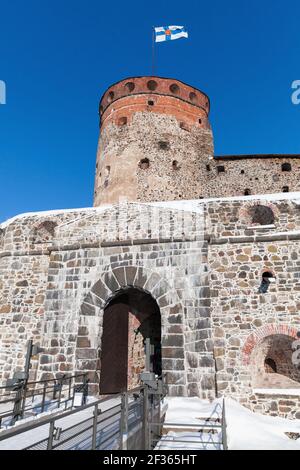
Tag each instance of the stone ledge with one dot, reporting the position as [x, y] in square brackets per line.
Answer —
[256, 238]
[277, 391]
[103, 244]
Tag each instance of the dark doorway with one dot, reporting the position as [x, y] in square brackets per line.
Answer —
[270, 365]
[130, 317]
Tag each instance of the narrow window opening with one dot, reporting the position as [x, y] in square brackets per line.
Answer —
[129, 86]
[152, 85]
[174, 88]
[175, 165]
[286, 167]
[247, 192]
[163, 145]
[122, 121]
[110, 96]
[267, 279]
[151, 103]
[106, 175]
[221, 169]
[285, 189]
[144, 163]
[184, 126]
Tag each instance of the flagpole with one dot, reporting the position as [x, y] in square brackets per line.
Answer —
[153, 49]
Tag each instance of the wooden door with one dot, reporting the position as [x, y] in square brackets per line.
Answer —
[114, 349]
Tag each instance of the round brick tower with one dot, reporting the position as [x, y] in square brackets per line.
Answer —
[155, 142]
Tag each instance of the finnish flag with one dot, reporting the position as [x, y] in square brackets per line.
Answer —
[169, 33]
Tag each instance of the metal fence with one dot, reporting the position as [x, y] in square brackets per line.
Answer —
[24, 398]
[132, 420]
[211, 433]
[115, 422]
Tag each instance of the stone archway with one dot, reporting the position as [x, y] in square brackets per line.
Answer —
[271, 363]
[90, 325]
[260, 333]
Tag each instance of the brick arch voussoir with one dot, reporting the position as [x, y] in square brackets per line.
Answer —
[112, 280]
[259, 334]
[141, 278]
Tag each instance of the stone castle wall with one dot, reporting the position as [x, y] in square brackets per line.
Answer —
[202, 261]
[243, 318]
[252, 175]
[156, 144]
[90, 255]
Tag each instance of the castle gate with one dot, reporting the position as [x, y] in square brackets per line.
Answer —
[124, 307]
[130, 317]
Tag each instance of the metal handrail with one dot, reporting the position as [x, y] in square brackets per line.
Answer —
[63, 378]
[7, 433]
[117, 424]
[221, 426]
[22, 391]
[177, 425]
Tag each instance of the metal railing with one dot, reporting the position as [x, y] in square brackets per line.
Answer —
[25, 398]
[115, 422]
[209, 428]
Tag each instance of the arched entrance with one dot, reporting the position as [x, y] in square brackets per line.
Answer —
[272, 365]
[130, 316]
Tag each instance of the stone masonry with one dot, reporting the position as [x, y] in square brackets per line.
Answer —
[202, 261]
[156, 144]
[223, 272]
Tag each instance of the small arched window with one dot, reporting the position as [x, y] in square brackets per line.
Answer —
[267, 278]
[247, 192]
[44, 232]
[151, 85]
[262, 215]
[174, 88]
[184, 126]
[110, 96]
[129, 86]
[144, 163]
[163, 145]
[285, 189]
[122, 121]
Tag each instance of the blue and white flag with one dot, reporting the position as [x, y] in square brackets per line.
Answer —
[169, 33]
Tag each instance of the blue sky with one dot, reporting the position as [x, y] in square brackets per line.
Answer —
[57, 57]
